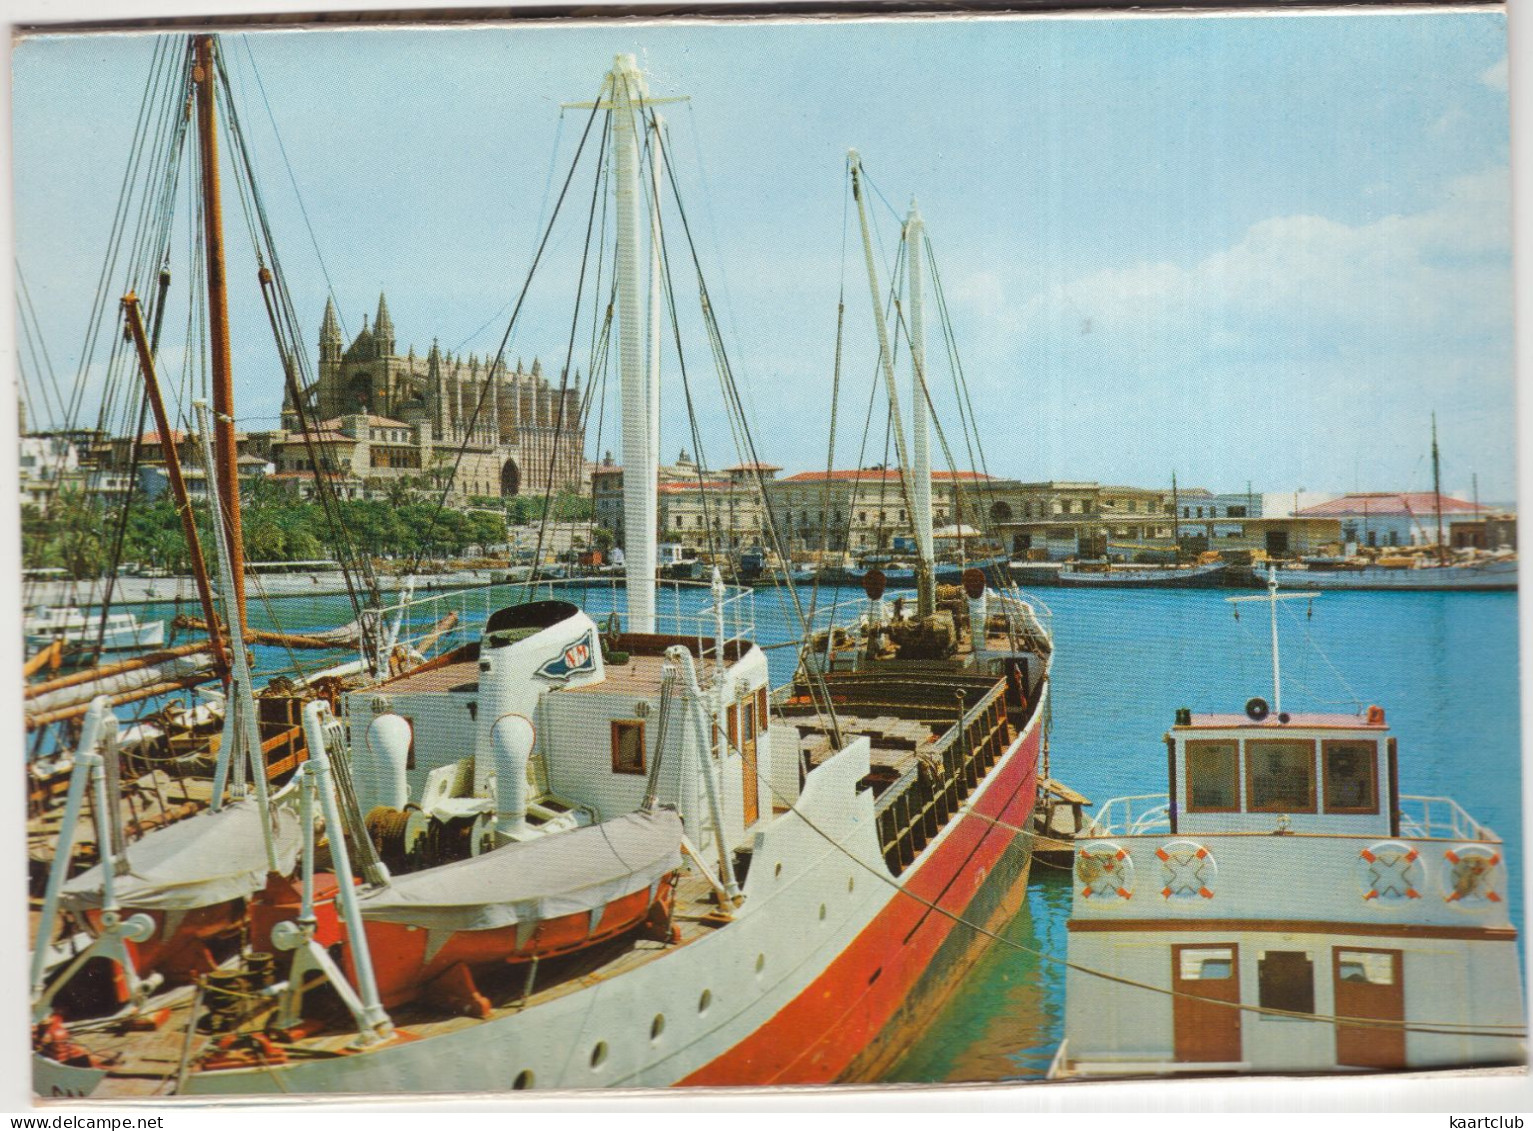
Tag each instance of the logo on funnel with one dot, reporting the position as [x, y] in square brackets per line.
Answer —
[571, 660]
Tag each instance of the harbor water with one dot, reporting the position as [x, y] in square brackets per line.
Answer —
[1443, 665]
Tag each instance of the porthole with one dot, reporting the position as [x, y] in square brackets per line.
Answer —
[523, 1080]
[599, 1054]
[656, 1027]
[822, 913]
[760, 963]
[705, 1001]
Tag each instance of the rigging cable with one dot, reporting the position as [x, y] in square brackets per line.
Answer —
[818, 690]
[515, 313]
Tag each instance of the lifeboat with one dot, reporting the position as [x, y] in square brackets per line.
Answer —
[191, 880]
[553, 895]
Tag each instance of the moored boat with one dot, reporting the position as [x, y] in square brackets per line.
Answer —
[1203, 575]
[80, 631]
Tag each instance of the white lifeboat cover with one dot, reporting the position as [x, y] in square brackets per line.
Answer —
[198, 862]
[529, 881]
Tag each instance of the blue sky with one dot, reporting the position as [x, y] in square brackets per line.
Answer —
[1244, 248]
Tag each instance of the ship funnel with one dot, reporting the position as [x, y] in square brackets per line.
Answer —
[525, 651]
[381, 772]
[979, 606]
[511, 737]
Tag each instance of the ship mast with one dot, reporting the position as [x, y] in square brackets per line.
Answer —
[226, 457]
[1272, 598]
[1176, 522]
[1437, 492]
[921, 485]
[885, 356]
[626, 97]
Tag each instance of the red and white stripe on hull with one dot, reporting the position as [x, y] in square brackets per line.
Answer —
[892, 966]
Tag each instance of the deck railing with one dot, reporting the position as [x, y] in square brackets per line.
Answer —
[1139, 815]
[1439, 818]
[1425, 818]
[682, 608]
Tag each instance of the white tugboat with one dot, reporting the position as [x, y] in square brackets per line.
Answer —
[1284, 907]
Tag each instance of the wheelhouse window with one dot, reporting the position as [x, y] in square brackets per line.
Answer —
[1351, 784]
[1280, 776]
[627, 746]
[1213, 777]
[1286, 980]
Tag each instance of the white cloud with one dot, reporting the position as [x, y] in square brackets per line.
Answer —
[1298, 284]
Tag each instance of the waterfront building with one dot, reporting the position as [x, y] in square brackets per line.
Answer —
[698, 509]
[1391, 518]
[862, 511]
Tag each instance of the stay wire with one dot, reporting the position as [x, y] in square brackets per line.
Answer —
[569, 357]
[732, 402]
[505, 338]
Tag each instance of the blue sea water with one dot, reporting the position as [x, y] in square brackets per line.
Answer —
[1443, 665]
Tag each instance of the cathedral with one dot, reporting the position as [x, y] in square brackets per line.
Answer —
[411, 416]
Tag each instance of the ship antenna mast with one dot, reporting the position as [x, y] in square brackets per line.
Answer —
[1272, 597]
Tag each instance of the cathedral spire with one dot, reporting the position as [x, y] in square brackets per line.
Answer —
[330, 341]
[383, 328]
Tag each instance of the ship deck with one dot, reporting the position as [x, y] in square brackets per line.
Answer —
[936, 727]
[149, 1063]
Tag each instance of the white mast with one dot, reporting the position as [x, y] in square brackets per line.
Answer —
[1272, 598]
[640, 464]
[921, 472]
[885, 356]
[655, 306]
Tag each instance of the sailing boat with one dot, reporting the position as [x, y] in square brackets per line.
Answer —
[612, 856]
[1445, 569]
[167, 908]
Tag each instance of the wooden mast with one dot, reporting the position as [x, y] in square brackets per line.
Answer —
[226, 456]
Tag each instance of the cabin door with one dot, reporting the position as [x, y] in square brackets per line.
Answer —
[1369, 985]
[1206, 1030]
[742, 737]
[750, 783]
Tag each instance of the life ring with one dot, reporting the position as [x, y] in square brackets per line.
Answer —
[1257, 709]
[1188, 871]
[1469, 880]
[1105, 871]
[1391, 872]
